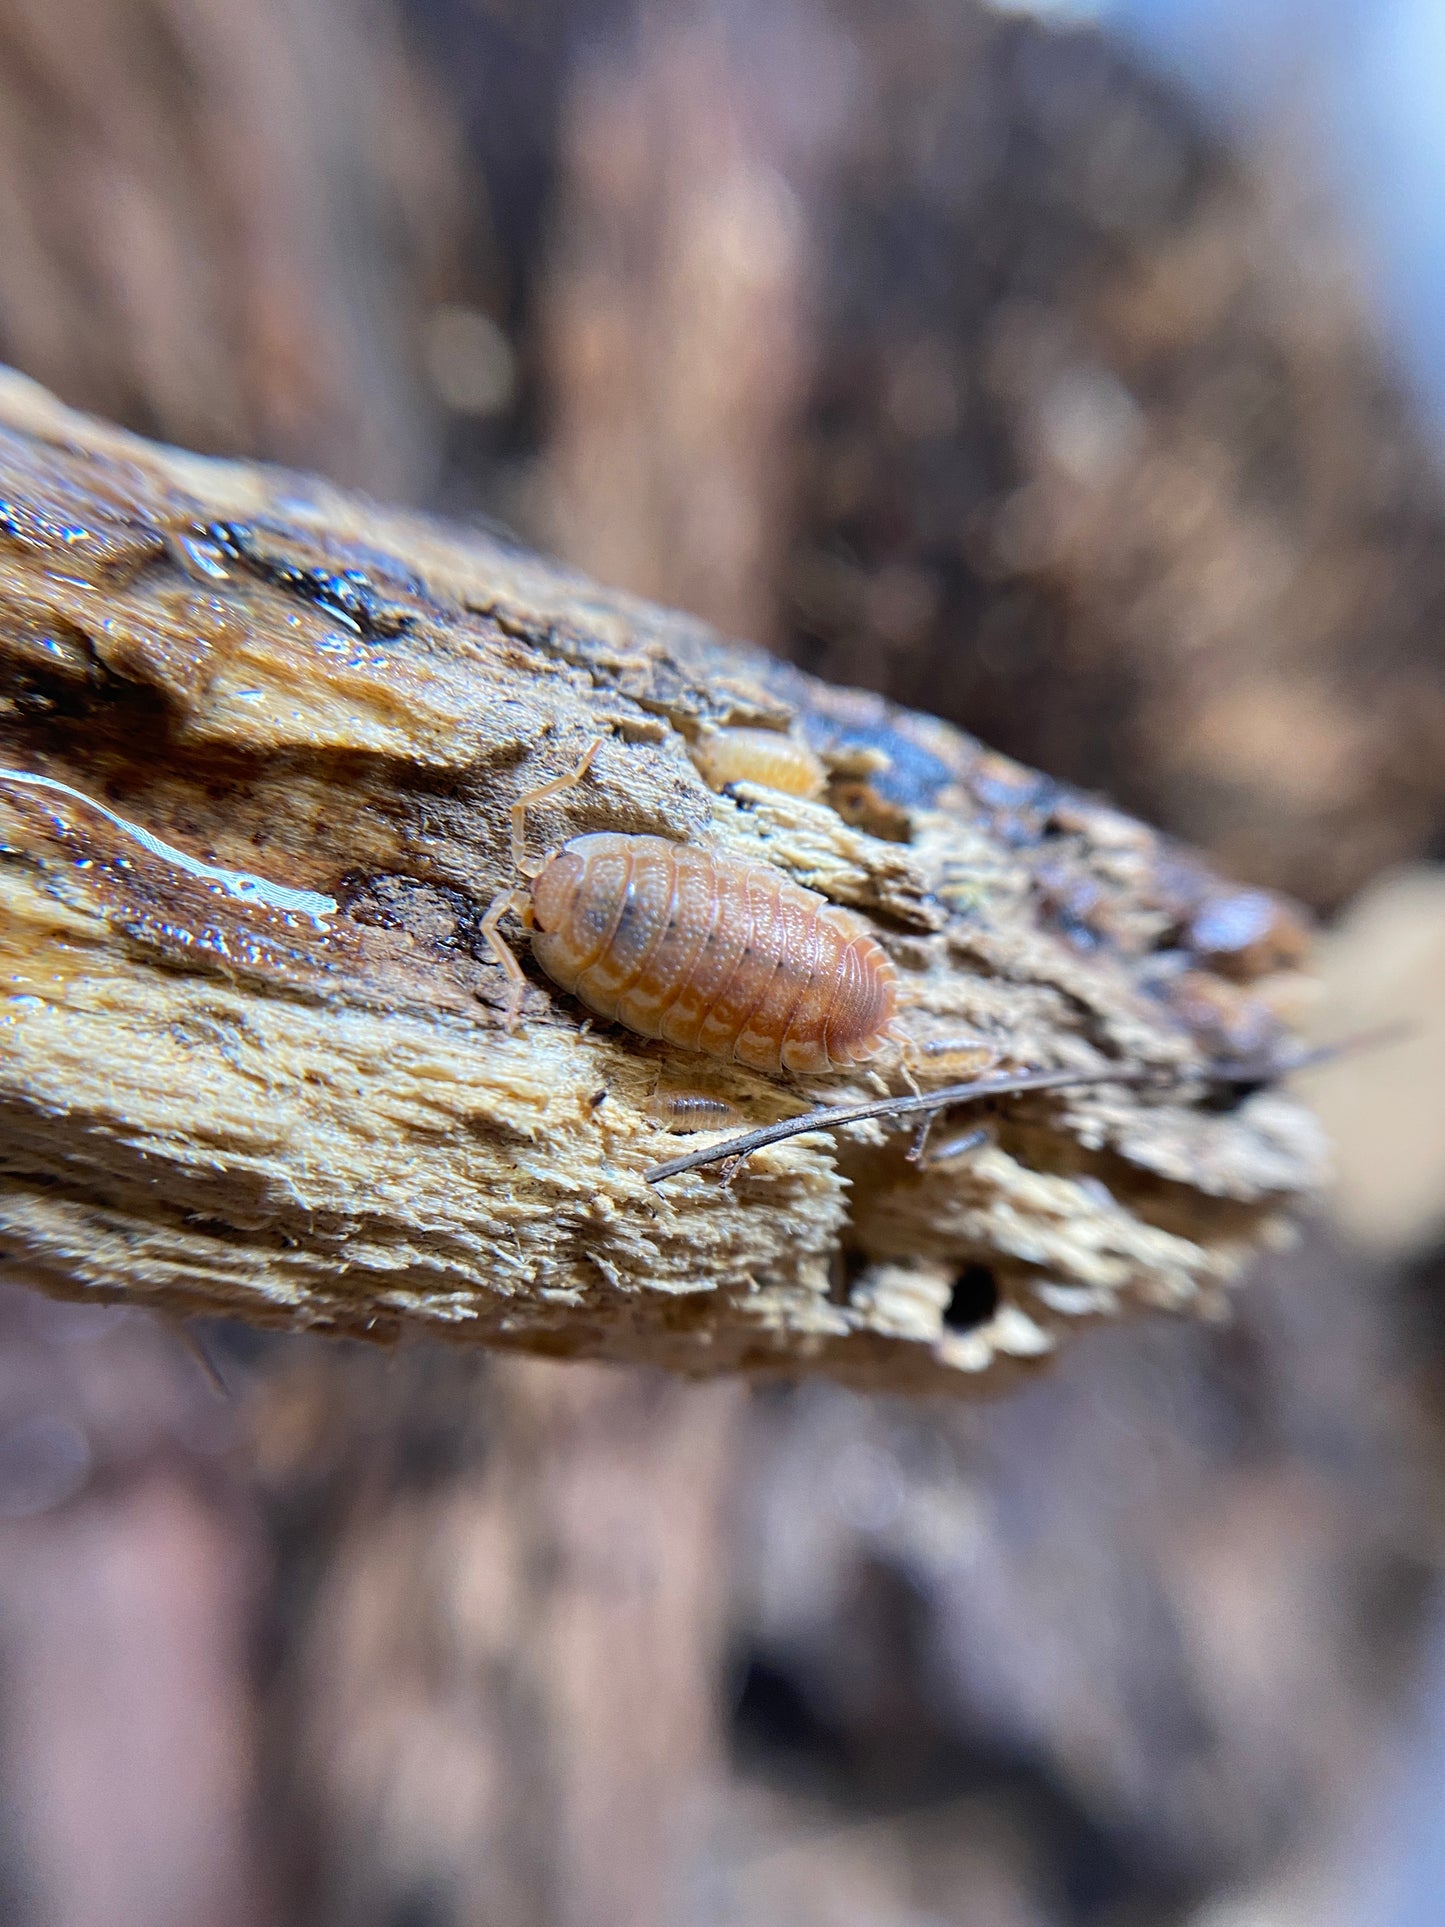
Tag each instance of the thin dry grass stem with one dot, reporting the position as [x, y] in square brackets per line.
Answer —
[926, 1104]
[834, 1117]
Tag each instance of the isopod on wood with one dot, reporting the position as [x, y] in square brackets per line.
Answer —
[706, 952]
[762, 756]
[685, 1111]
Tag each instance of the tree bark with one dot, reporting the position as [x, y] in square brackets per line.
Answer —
[260, 696]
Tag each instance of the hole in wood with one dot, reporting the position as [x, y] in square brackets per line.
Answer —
[974, 1299]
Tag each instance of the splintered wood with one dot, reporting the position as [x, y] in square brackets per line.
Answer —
[255, 1055]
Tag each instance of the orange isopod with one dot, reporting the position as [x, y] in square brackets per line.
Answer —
[706, 952]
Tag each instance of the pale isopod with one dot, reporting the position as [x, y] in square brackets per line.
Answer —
[684, 1111]
[702, 951]
[762, 756]
[956, 1057]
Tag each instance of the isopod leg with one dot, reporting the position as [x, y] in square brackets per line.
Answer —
[504, 901]
[528, 797]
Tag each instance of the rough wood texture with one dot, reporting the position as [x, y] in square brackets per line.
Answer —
[212, 1104]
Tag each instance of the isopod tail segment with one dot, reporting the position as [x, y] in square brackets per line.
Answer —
[516, 896]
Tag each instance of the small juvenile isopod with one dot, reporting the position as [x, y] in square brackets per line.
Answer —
[684, 1111]
[956, 1057]
[702, 951]
[762, 756]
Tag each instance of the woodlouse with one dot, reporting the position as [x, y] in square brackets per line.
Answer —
[702, 951]
[684, 1111]
[762, 756]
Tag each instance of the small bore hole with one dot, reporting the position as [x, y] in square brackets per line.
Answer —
[1231, 1094]
[974, 1300]
[847, 1267]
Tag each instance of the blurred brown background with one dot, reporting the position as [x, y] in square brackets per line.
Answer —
[949, 352]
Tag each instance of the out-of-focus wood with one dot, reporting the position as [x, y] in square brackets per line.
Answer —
[228, 225]
[676, 318]
[1035, 401]
[1098, 396]
[133, 1565]
[209, 1103]
[502, 1692]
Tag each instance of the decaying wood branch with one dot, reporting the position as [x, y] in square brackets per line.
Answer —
[220, 1095]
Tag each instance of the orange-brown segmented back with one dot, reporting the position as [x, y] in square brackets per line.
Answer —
[707, 952]
[711, 954]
